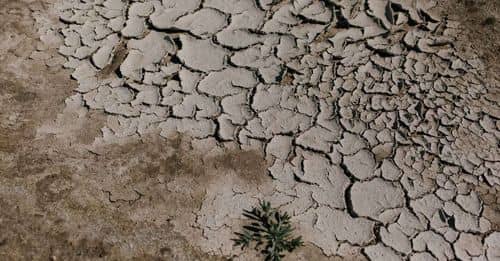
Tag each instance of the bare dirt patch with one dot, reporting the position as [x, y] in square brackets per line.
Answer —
[60, 201]
[480, 20]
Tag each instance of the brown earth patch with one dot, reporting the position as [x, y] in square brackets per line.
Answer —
[58, 199]
[480, 20]
[248, 165]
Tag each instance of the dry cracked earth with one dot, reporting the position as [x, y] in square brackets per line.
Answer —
[141, 129]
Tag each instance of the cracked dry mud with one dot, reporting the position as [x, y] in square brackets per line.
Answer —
[370, 121]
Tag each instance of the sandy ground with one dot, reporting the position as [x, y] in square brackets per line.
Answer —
[480, 20]
[64, 195]
[60, 201]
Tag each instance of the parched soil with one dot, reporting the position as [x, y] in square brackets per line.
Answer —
[481, 21]
[58, 199]
[64, 196]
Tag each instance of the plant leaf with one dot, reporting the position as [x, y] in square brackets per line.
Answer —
[270, 230]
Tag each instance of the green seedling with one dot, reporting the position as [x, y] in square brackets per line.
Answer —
[270, 230]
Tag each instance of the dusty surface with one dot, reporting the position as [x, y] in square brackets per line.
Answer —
[481, 28]
[375, 125]
[60, 201]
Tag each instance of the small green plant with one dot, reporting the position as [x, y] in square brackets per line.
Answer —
[271, 231]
